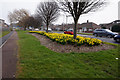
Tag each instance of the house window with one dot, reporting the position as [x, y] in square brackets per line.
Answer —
[80, 30]
[90, 30]
[84, 29]
[110, 28]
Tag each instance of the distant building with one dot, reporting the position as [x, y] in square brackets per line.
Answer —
[84, 27]
[88, 27]
[63, 27]
[2, 22]
[4, 26]
[110, 25]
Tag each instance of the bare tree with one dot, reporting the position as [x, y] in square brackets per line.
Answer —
[38, 19]
[29, 21]
[78, 7]
[48, 11]
[33, 22]
[18, 16]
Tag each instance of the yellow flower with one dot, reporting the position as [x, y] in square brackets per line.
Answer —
[66, 37]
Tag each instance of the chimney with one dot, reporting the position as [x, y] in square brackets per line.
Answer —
[87, 21]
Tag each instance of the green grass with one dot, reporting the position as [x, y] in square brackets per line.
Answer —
[85, 33]
[4, 33]
[111, 44]
[37, 61]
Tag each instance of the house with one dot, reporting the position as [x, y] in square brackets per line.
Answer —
[57, 27]
[2, 22]
[110, 25]
[63, 27]
[3, 25]
[88, 27]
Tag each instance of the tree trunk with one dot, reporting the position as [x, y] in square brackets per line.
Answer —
[47, 28]
[24, 28]
[75, 29]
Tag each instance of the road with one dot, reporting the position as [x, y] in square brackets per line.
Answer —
[104, 39]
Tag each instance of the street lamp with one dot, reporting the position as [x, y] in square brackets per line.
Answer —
[119, 10]
[67, 17]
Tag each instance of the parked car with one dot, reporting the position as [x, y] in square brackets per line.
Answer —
[49, 30]
[104, 32]
[36, 29]
[117, 38]
[68, 32]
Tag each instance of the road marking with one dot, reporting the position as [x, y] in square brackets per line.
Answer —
[5, 41]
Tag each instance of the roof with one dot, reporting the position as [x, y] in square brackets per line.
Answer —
[108, 25]
[89, 25]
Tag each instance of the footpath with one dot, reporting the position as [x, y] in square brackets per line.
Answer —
[9, 56]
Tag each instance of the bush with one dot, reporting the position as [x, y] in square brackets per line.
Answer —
[116, 28]
[104, 28]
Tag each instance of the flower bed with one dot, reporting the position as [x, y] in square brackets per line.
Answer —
[68, 39]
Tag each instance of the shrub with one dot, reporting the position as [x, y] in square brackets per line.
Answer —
[116, 28]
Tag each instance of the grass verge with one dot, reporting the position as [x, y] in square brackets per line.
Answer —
[37, 61]
[4, 33]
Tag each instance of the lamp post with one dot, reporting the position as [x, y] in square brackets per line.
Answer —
[119, 10]
[63, 21]
[65, 16]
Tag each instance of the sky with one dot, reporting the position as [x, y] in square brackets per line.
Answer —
[106, 14]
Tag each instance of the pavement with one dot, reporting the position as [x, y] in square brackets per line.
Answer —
[9, 56]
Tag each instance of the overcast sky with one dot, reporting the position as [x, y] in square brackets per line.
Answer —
[105, 15]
